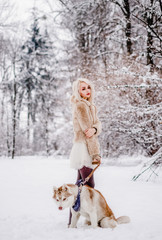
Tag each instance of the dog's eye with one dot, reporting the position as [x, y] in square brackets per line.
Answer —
[57, 200]
[64, 199]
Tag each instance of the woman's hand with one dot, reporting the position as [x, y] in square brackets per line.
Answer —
[96, 159]
[90, 132]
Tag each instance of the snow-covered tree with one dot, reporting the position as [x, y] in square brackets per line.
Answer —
[148, 16]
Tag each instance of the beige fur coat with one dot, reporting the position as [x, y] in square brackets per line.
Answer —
[84, 117]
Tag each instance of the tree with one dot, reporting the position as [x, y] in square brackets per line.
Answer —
[151, 168]
[91, 25]
[11, 94]
[126, 10]
[5, 73]
[36, 54]
[7, 10]
[149, 13]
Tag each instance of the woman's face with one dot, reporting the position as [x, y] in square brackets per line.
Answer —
[85, 90]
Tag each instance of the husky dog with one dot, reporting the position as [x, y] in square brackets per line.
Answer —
[93, 206]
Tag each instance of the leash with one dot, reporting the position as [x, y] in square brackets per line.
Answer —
[80, 183]
[90, 175]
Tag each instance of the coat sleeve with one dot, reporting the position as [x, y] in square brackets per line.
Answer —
[97, 124]
[83, 116]
[85, 123]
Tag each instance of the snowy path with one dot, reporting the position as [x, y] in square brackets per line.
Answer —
[27, 210]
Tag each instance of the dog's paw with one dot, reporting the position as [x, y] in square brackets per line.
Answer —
[72, 226]
[87, 222]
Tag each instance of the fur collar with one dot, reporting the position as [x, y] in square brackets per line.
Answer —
[74, 101]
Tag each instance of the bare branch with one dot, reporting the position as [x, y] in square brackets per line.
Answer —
[148, 27]
[121, 7]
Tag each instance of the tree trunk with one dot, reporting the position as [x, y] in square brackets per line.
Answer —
[128, 28]
[150, 37]
[47, 133]
[149, 49]
[8, 139]
[28, 118]
[14, 119]
[128, 37]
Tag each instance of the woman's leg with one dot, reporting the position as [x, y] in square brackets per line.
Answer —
[84, 172]
[78, 176]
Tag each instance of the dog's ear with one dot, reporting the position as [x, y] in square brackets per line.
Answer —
[65, 187]
[54, 189]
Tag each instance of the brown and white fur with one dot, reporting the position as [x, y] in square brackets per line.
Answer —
[93, 206]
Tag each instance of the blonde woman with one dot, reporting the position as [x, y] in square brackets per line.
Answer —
[86, 125]
[86, 149]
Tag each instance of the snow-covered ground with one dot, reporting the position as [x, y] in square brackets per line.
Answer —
[27, 210]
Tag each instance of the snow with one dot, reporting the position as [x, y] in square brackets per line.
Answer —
[27, 210]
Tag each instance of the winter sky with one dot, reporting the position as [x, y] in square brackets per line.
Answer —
[22, 8]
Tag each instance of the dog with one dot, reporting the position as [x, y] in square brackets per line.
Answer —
[93, 206]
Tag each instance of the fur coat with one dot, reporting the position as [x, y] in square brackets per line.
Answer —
[84, 117]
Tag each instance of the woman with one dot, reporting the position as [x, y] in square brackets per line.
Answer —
[86, 150]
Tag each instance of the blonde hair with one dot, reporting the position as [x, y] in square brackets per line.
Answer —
[76, 85]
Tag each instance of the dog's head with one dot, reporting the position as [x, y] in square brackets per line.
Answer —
[63, 197]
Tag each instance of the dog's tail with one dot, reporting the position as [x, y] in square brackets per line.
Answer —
[123, 219]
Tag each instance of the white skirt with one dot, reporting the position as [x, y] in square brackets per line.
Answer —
[79, 156]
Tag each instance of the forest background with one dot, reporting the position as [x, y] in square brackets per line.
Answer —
[115, 44]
